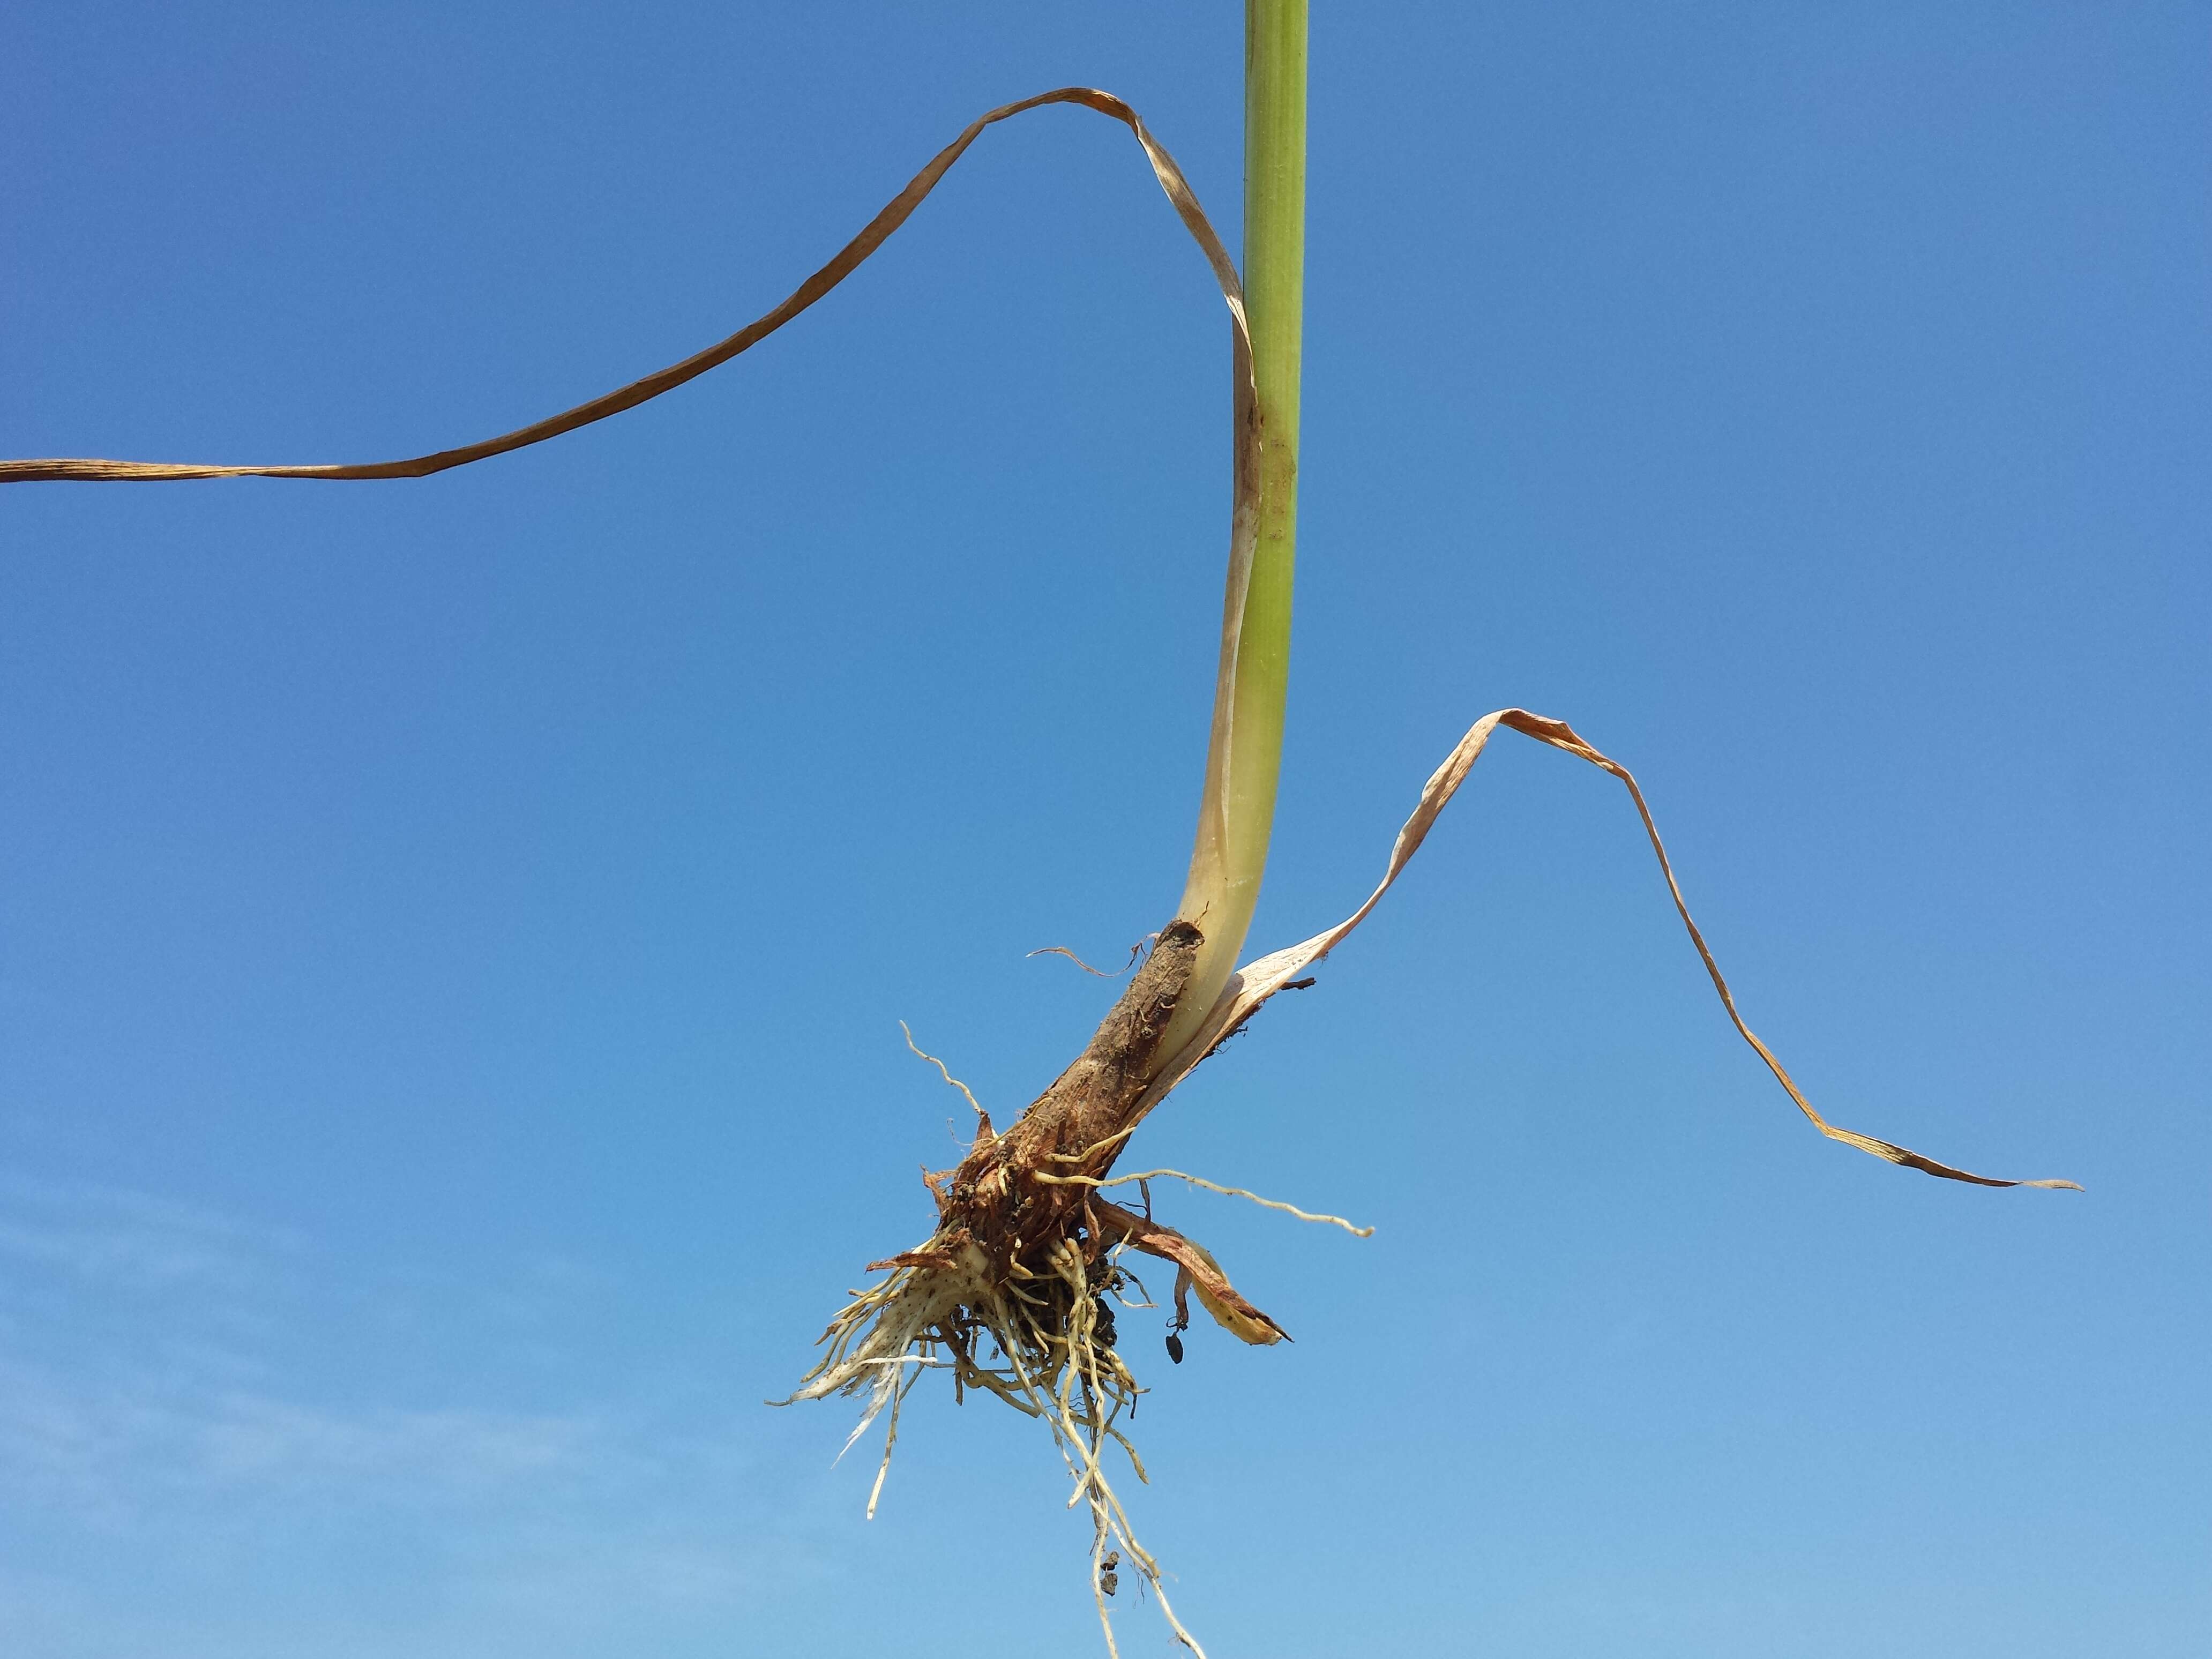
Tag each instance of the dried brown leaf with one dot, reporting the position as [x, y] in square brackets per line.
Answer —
[1253, 984]
[848, 259]
[1220, 1297]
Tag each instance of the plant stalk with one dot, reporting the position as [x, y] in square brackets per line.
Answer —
[1244, 757]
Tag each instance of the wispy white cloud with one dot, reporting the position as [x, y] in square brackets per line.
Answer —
[107, 1452]
[414, 1454]
[162, 1402]
[112, 1236]
[132, 1375]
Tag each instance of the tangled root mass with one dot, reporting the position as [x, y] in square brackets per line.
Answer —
[1014, 1293]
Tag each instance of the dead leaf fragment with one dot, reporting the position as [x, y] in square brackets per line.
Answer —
[848, 259]
[1253, 984]
[1220, 1297]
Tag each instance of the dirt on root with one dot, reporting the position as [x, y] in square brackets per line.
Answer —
[1017, 1194]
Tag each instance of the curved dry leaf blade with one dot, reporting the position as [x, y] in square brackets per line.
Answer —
[1258, 981]
[1244, 424]
[848, 259]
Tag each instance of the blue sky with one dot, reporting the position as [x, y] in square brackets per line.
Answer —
[453, 934]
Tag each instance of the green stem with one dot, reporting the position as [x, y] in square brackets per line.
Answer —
[1239, 811]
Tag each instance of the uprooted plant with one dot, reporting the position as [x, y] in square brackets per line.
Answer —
[1014, 1290]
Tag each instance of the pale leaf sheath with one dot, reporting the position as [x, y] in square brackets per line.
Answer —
[1256, 981]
